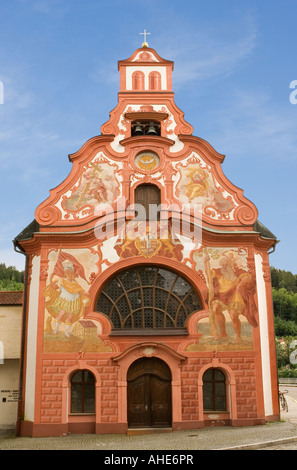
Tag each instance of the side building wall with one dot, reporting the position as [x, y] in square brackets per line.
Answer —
[10, 340]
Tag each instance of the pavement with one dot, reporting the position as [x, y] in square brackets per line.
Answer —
[212, 438]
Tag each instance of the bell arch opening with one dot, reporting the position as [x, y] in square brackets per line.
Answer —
[148, 300]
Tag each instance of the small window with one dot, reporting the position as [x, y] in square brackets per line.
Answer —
[155, 81]
[214, 390]
[138, 81]
[82, 392]
[149, 197]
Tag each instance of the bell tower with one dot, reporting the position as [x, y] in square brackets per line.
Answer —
[145, 72]
[146, 102]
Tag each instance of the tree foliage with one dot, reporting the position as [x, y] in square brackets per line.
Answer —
[284, 304]
[283, 279]
[284, 295]
[11, 278]
[285, 327]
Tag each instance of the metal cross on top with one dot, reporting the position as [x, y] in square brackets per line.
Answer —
[145, 44]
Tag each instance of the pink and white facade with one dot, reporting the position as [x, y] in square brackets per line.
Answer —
[135, 322]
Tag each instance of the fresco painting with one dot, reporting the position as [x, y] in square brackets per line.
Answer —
[231, 300]
[149, 239]
[66, 298]
[197, 185]
[97, 184]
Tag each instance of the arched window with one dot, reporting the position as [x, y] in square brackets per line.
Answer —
[148, 298]
[214, 390]
[138, 81]
[155, 81]
[149, 197]
[82, 392]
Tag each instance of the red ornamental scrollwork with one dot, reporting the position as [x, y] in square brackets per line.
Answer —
[186, 130]
[266, 271]
[107, 129]
[43, 273]
[48, 215]
[167, 124]
[245, 214]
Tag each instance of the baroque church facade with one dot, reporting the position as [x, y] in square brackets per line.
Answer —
[147, 302]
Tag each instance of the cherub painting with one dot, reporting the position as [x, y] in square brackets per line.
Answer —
[197, 183]
[148, 240]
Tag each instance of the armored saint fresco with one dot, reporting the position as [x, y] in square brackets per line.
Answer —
[66, 298]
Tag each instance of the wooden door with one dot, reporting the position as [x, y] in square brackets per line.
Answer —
[149, 394]
[146, 195]
[160, 401]
[138, 402]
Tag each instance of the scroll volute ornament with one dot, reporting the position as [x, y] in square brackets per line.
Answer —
[246, 215]
[47, 215]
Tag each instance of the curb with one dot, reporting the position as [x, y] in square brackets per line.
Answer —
[260, 445]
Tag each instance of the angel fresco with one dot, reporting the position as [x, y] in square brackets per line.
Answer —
[65, 298]
[198, 186]
[97, 185]
[231, 288]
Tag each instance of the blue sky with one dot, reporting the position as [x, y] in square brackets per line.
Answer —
[234, 62]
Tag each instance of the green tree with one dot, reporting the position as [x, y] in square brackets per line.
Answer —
[284, 304]
[284, 327]
[11, 278]
[281, 278]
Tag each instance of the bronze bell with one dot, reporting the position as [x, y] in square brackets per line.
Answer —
[138, 129]
[152, 130]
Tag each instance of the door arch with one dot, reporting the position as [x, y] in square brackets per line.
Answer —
[149, 393]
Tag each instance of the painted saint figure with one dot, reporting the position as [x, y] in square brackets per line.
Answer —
[231, 288]
[65, 297]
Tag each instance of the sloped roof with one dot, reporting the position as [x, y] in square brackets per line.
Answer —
[264, 231]
[28, 231]
[11, 297]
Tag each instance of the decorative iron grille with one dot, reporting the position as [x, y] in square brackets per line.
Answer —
[148, 298]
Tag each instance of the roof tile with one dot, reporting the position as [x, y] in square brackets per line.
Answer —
[11, 297]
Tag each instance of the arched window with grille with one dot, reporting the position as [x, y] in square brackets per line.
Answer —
[82, 399]
[148, 300]
[214, 390]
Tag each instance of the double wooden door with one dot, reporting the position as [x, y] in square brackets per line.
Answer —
[149, 394]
